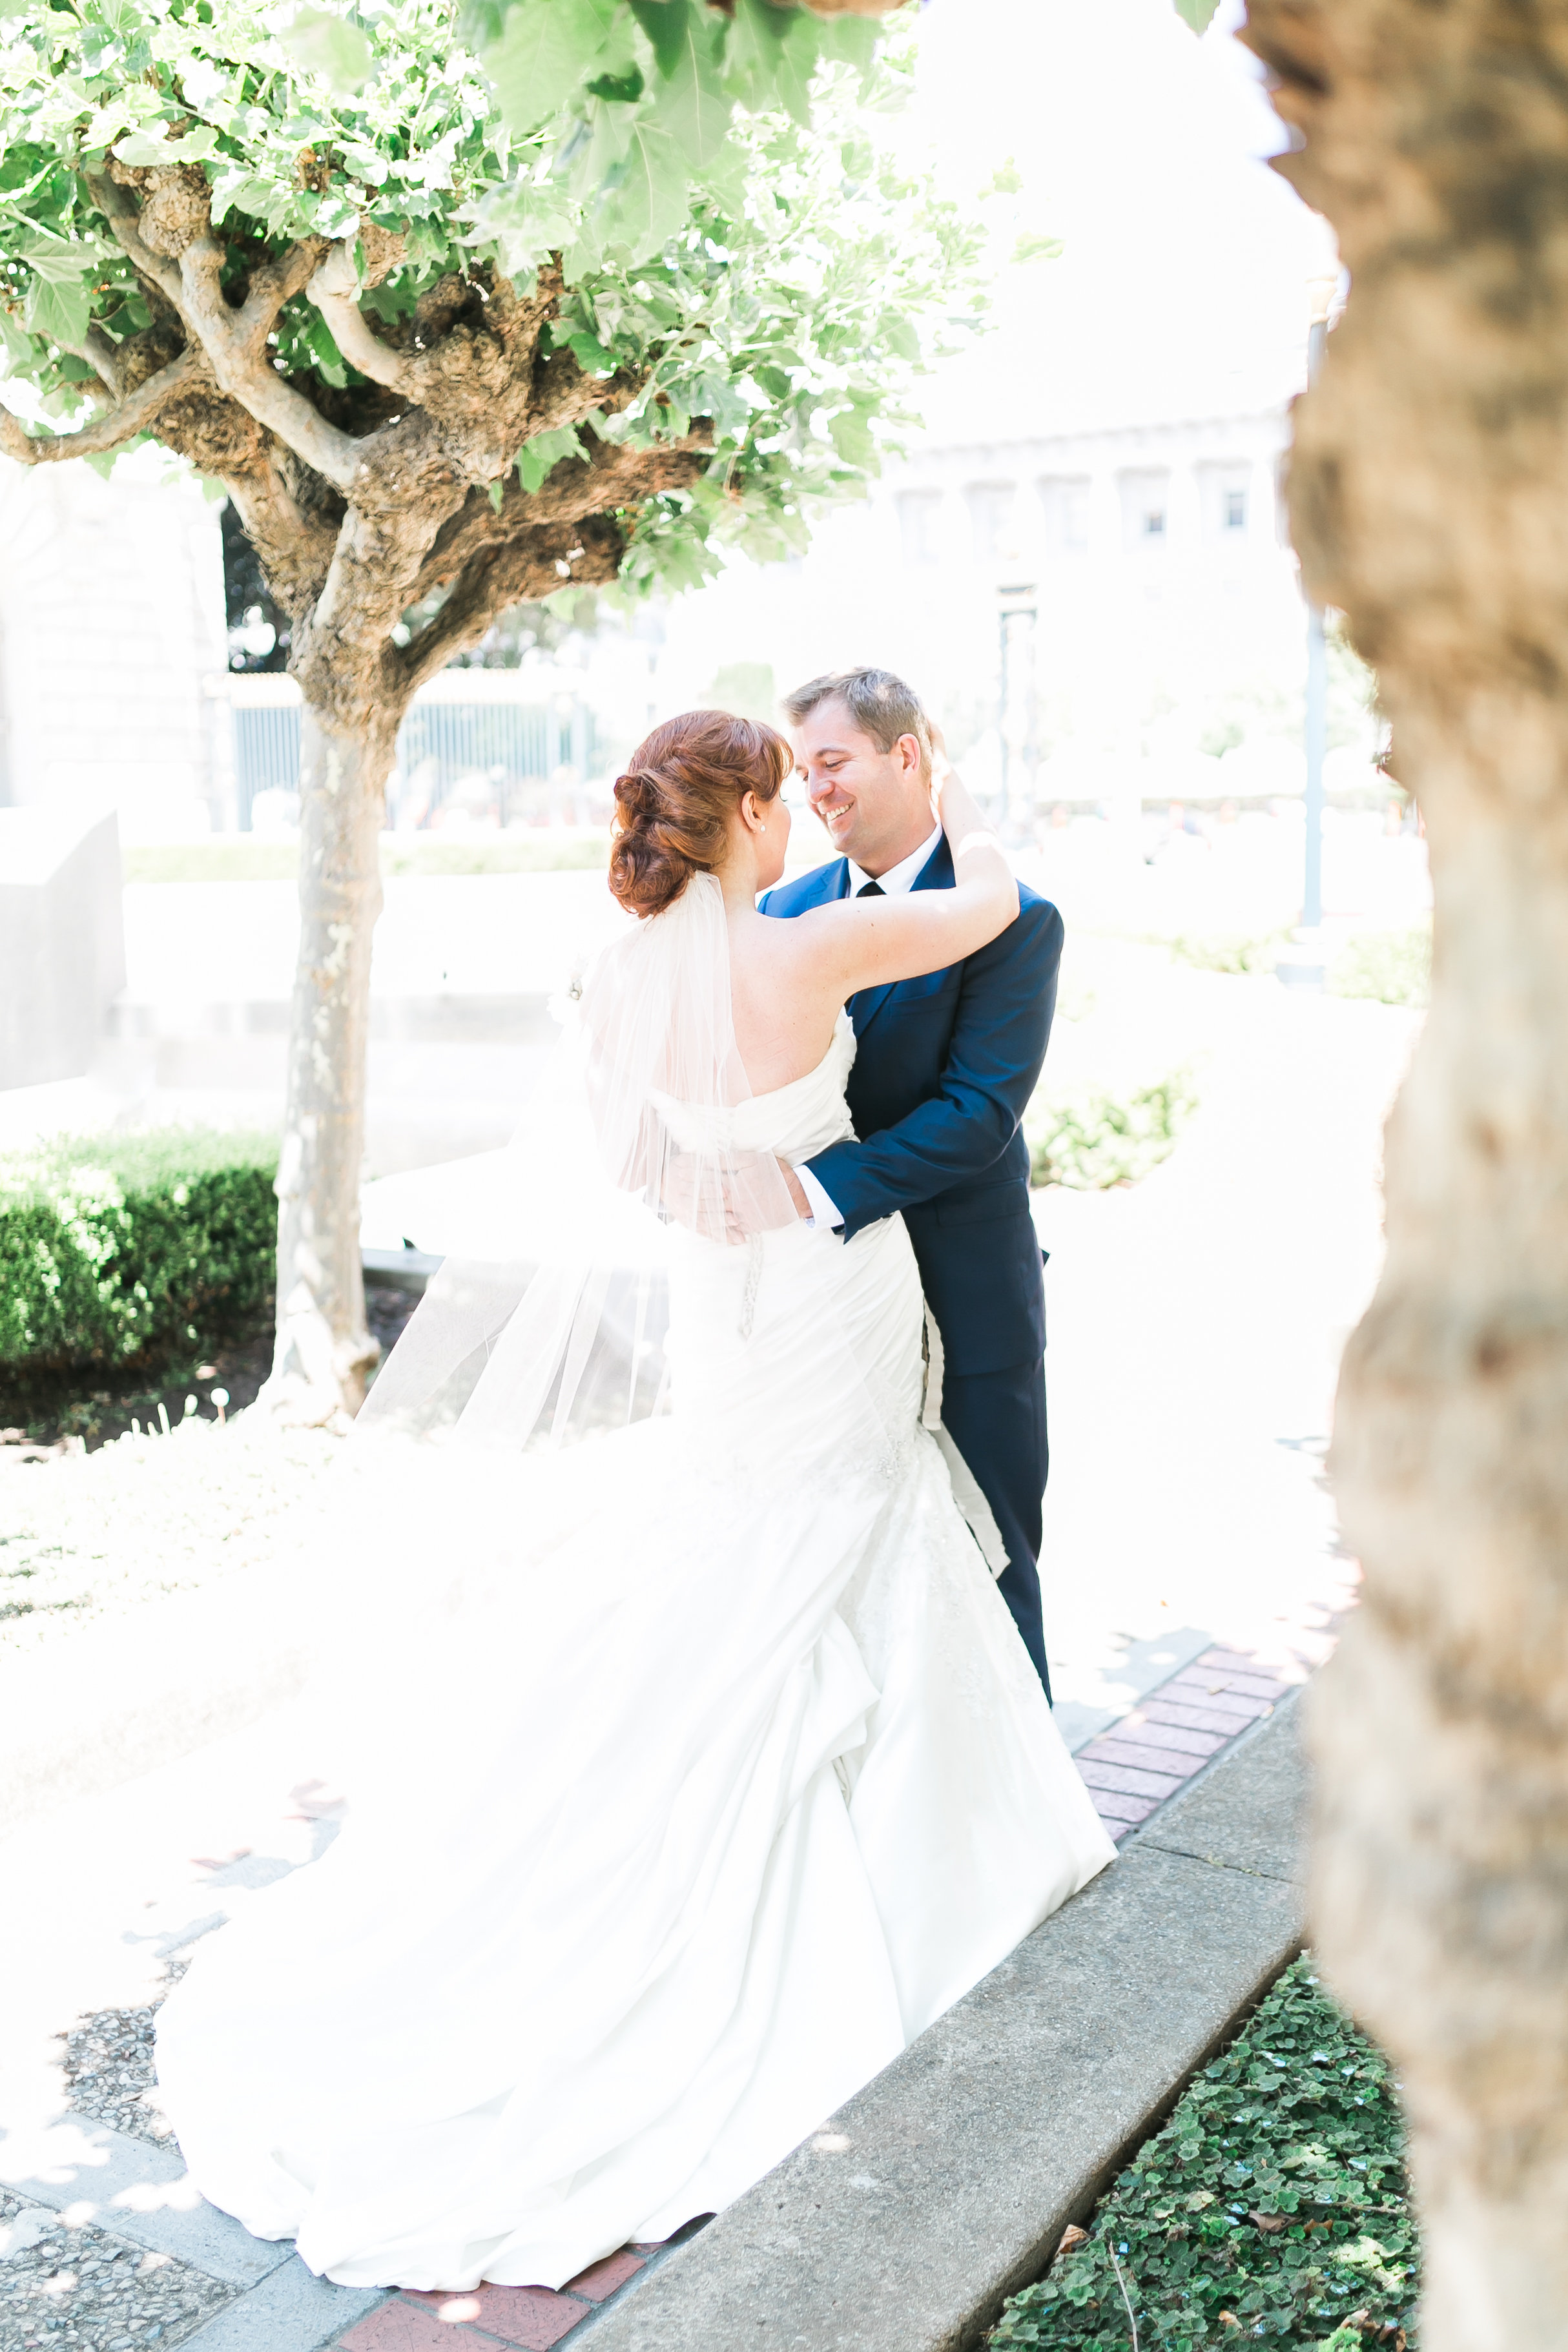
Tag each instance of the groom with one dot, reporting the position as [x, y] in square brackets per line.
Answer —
[943, 1069]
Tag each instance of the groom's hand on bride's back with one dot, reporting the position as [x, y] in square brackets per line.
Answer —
[797, 1190]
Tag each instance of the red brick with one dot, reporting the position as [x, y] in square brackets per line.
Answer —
[1138, 1731]
[1236, 1662]
[533, 2316]
[1224, 1683]
[1115, 1751]
[405, 2327]
[1095, 1775]
[1177, 1709]
[1113, 1806]
[1108, 1750]
[600, 2282]
[1230, 1704]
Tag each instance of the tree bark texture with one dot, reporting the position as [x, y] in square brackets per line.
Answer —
[324, 1348]
[1429, 501]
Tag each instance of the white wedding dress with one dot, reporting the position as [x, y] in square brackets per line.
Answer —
[729, 1777]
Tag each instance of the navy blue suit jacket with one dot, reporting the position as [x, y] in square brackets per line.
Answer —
[943, 1068]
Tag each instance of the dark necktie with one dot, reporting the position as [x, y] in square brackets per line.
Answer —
[867, 890]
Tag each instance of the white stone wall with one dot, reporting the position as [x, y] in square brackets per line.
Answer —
[1133, 623]
[112, 645]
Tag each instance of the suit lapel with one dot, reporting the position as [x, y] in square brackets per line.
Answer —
[936, 873]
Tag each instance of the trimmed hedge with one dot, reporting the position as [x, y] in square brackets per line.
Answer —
[1092, 1139]
[120, 1248]
[1271, 2208]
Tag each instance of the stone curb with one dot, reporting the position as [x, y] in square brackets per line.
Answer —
[944, 2186]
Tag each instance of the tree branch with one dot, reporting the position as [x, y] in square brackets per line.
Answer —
[532, 565]
[272, 285]
[100, 356]
[335, 289]
[119, 425]
[613, 477]
[122, 216]
[230, 347]
[295, 546]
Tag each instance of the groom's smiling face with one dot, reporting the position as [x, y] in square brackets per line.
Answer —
[876, 805]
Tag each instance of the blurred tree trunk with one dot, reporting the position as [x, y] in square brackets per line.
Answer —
[1429, 500]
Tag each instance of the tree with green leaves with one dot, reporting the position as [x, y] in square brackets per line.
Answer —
[616, 285]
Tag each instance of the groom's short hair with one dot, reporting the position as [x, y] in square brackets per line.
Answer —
[881, 706]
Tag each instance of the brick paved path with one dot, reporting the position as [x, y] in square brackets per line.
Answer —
[533, 2316]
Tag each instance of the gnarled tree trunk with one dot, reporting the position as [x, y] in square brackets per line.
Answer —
[1429, 499]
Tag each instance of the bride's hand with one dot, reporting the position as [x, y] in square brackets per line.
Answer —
[941, 765]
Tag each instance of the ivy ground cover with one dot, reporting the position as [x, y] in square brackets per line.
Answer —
[1272, 2207]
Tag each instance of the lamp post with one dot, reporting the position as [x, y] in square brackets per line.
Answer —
[1018, 614]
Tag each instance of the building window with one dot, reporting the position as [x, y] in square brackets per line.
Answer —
[920, 518]
[993, 520]
[1064, 503]
[1225, 497]
[1145, 511]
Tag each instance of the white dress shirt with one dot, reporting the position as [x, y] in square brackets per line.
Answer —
[895, 881]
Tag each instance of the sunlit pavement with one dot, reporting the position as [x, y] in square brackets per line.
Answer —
[1195, 1325]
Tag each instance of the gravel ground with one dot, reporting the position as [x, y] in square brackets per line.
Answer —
[108, 2067]
[85, 1535]
[70, 2284]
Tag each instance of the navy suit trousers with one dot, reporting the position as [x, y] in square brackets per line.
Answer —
[997, 1420]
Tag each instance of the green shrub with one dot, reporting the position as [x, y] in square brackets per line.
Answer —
[116, 1249]
[1271, 2207]
[1234, 952]
[1090, 1139]
[1395, 967]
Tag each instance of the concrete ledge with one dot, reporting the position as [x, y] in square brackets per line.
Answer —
[944, 2186]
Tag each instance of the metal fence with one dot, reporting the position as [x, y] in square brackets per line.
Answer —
[500, 759]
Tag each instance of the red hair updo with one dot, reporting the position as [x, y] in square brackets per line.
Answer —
[674, 804]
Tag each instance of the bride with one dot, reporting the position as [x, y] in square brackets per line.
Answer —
[698, 1765]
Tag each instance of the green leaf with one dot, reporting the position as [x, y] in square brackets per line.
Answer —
[1196, 13]
[590, 354]
[646, 202]
[329, 48]
[697, 107]
[851, 436]
[772, 55]
[544, 52]
[526, 222]
[1034, 244]
[497, 492]
[852, 40]
[539, 457]
[16, 346]
[61, 260]
[324, 351]
[151, 146]
[666, 24]
[59, 311]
